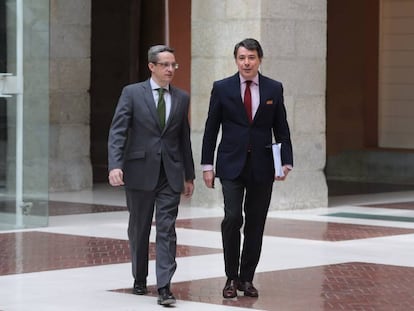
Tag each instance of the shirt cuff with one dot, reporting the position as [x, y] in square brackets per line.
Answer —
[207, 167]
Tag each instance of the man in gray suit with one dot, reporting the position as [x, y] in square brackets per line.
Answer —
[149, 151]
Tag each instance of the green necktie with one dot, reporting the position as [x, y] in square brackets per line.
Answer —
[161, 107]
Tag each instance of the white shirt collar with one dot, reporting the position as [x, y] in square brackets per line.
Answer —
[155, 86]
[255, 79]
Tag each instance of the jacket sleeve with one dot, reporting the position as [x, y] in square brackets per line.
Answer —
[118, 132]
[212, 127]
[189, 173]
[282, 132]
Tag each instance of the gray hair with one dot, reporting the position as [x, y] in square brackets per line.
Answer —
[155, 50]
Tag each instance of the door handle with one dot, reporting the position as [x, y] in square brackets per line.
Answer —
[9, 85]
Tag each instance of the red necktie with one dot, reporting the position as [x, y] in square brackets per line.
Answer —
[248, 100]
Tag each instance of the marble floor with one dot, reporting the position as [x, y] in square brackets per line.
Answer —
[358, 254]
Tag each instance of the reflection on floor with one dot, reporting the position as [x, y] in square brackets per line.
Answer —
[355, 255]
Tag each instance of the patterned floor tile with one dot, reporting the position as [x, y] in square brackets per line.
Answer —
[301, 229]
[348, 286]
[399, 205]
[372, 216]
[25, 252]
[57, 208]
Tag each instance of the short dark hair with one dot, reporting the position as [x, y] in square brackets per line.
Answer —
[251, 45]
[155, 50]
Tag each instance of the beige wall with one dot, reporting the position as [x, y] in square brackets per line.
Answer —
[352, 79]
[293, 36]
[396, 81]
[69, 160]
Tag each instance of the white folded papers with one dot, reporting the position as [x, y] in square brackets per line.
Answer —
[277, 160]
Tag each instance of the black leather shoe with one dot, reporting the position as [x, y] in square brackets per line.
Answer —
[165, 297]
[140, 288]
[248, 289]
[230, 289]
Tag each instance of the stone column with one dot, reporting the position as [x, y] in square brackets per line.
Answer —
[293, 36]
[70, 28]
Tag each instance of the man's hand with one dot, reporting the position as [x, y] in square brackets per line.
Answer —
[116, 177]
[286, 170]
[208, 177]
[188, 188]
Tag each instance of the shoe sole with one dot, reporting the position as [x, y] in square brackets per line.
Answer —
[141, 293]
[247, 294]
[229, 297]
[167, 302]
[251, 295]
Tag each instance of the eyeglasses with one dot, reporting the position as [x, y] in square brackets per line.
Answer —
[167, 65]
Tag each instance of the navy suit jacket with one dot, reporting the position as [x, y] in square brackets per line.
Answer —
[238, 134]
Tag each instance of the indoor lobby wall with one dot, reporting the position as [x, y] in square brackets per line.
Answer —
[69, 157]
[369, 91]
[293, 35]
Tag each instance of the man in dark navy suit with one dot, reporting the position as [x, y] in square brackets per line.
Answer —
[250, 110]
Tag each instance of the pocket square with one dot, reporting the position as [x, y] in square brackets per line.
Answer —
[269, 102]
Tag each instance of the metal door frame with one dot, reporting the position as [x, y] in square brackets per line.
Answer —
[13, 85]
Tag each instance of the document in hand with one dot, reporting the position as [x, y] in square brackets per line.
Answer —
[277, 160]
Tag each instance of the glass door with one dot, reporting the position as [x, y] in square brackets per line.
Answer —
[24, 113]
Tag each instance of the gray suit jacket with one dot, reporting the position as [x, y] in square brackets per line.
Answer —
[136, 142]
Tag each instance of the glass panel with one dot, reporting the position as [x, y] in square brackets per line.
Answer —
[24, 117]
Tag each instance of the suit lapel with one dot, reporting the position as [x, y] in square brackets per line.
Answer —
[235, 93]
[174, 106]
[262, 96]
[149, 102]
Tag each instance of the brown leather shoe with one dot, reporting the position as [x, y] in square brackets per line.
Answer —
[230, 289]
[248, 289]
